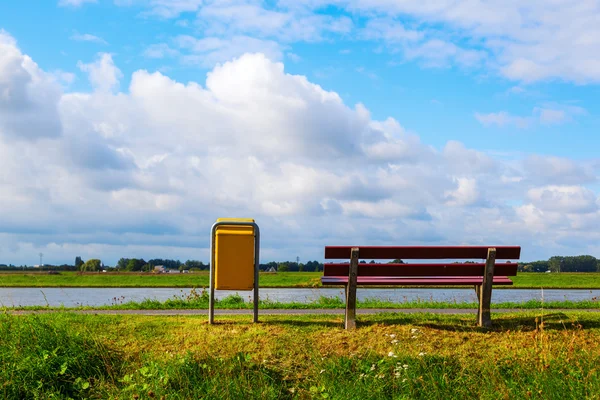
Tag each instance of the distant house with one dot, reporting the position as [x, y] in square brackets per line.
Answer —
[159, 269]
[271, 269]
[172, 271]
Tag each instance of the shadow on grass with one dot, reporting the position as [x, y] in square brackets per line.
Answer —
[284, 320]
[558, 321]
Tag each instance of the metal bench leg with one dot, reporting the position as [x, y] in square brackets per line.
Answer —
[350, 322]
[478, 293]
[485, 300]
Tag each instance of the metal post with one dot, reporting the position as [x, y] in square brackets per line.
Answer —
[256, 269]
[213, 232]
[211, 291]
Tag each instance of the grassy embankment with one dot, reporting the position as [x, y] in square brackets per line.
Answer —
[425, 356]
[282, 279]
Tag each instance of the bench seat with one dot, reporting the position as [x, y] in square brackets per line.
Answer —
[414, 281]
[466, 272]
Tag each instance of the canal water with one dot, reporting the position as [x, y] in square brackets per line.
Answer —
[73, 297]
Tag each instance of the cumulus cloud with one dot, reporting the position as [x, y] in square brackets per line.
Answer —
[145, 171]
[28, 96]
[558, 170]
[465, 194]
[103, 74]
[566, 199]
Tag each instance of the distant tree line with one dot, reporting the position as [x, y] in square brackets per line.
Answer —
[141, 265]
[583, 263]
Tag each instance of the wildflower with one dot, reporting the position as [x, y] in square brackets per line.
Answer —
[405, 366]
[391, 354]
[414, 330]
[322, 371]
[392, 335]
[373, 367]
[394, 341]
[421, 354]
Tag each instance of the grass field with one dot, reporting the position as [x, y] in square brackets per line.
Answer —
[282, 279]
[419, 356]
[125, 279]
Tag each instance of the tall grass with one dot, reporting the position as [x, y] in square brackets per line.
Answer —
[199, 299]
[42, 358]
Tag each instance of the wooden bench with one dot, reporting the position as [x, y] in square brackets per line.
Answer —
[481, 275]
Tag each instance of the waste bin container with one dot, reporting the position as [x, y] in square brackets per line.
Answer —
[234, 255]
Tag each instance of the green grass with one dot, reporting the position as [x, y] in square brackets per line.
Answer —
[420, 356]
[281, 279]
[133, 279]
[562, 280]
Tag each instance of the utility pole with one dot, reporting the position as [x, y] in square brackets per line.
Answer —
[41, 255]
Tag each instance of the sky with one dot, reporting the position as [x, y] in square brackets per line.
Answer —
[127, 127]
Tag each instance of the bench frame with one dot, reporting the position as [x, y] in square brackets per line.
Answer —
[483, 289]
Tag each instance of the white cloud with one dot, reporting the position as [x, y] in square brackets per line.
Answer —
[28, 96]
[564, 199]
[160, 50]
[558, 170]
[540, 40]
[168, 8]
[210, 51]
[502, 119]
[529, 42]
[389, 30]
[552, 114]
[293, 57]
[103, 74]
[440, 53]
[551, 117]
[74, 3]
[144, 171]
[465, 194]
[462, 160]
[86, 37]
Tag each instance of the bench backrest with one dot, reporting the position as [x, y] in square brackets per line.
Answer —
[422, 253]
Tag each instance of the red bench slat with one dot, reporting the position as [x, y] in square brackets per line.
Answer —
[422, 252]
[450, 269]
[398, 281]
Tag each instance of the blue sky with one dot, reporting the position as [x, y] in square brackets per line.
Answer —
[128, 126]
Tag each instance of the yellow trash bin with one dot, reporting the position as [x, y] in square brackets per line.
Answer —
[234, 255]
